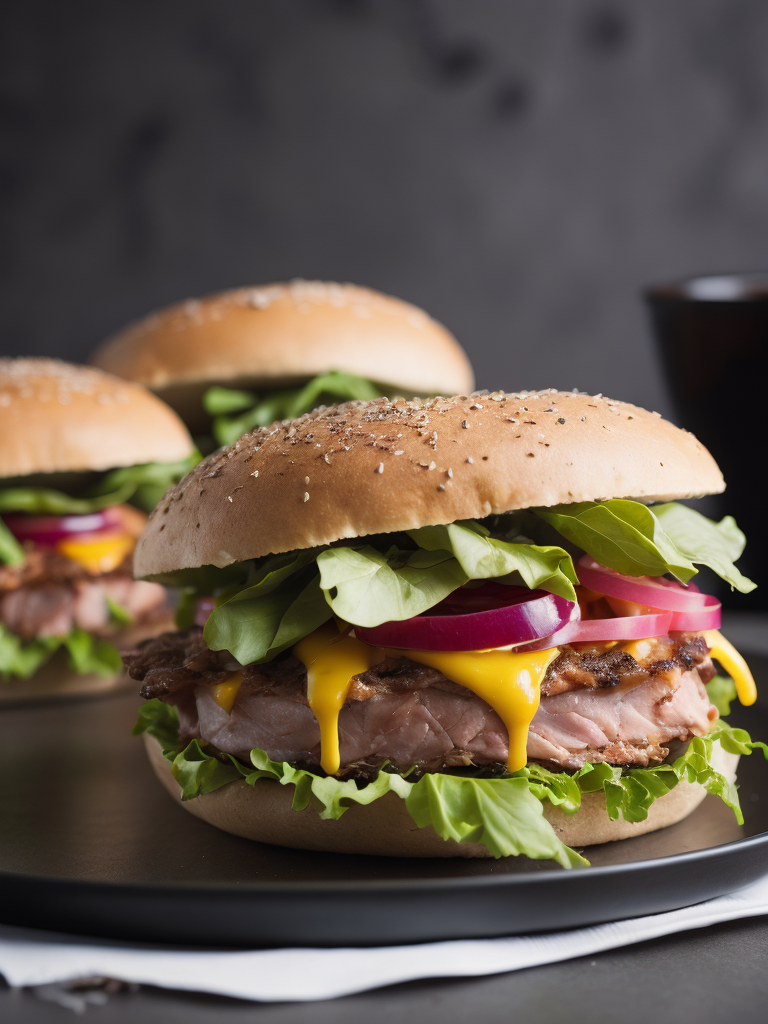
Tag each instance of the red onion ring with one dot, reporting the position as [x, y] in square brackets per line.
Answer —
[626, 627]
[633, 627]
[698, 619]
[47, 531]
[527, 616]
[650, 591]
[203, 609]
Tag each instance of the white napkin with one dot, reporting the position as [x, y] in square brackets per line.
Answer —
[32, 958]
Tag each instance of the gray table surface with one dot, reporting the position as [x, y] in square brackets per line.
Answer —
[702, 977]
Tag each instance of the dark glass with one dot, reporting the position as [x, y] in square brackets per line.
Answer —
[712, 333]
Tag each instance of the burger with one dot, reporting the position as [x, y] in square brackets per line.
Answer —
[244, 358]
[450, 627]
[83, 458]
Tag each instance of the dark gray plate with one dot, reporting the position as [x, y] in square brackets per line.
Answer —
[90, 843]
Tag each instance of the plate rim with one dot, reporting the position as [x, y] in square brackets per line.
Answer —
[554, 875]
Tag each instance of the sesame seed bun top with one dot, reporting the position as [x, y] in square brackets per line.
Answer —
[283, 334]
[57, 417]
[376, 467]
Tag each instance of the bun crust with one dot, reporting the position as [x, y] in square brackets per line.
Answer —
[285, 333]
[56, 679]
[384, 828]
[376, 467]
[56, 417]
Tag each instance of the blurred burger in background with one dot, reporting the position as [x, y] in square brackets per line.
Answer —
[244, 358]
[83, 458]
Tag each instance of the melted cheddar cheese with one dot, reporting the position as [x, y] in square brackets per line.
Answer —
[98, 554]
[733, 663]
[332, 660]
[224, 693]
[510, 682]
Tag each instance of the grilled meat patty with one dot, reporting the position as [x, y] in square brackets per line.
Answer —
[596, 706]
[49, 595]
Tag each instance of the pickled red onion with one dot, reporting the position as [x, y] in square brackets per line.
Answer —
[528, 615]
[203, 609]
[650, 591]
[627, 627]
[633, 627]
[698, 619]
[47, 531]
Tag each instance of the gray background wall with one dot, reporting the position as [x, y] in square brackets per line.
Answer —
[518, 167]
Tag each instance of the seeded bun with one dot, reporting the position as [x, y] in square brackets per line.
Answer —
[60, 418]
[385, 828]
[57, 680]
[283, 334]
[376, 467]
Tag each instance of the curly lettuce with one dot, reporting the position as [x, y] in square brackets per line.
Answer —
[505, 814]
[86, 654]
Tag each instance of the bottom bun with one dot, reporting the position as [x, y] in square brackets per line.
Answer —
[56, 679]
[385, 828]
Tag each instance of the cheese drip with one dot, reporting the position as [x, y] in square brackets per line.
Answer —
[98, 554]
[224, 693]
[733, 663]
[510, 682]
[332, 661]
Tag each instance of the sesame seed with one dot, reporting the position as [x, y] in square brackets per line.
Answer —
[465, 424]
[379, 468]
[441, 487]
[432, 465]
[560, 419]
[470, 460]
[255, 472]
[449, 474]
[229, 498]
[306, 479]
[583, 419]
[306, 495]
[399, 452]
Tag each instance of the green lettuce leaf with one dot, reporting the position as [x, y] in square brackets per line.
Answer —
[161, 721]
[147, 483]
[142, 486]
[501, 814]
[504, 814]
[120, 616]
[238, 412]
[365, 587]
[11, 552]
[90, 654]
[633, 539]
[722, 693]
[716, 545]
[482, 556]
[218, 401]
[20, 659]
[274, 612]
